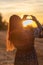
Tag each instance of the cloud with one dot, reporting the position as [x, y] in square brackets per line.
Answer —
[21, 5]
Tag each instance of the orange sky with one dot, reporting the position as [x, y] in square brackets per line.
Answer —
[21, 7]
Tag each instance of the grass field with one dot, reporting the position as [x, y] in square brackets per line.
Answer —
[7, 58]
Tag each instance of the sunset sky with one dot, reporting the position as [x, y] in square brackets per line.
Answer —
[21, 7]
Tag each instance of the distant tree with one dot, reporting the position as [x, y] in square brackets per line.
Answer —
[3, 24]
[1, 18]
[1, 21]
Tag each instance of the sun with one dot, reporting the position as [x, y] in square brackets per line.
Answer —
[29, 23]
[26, 23]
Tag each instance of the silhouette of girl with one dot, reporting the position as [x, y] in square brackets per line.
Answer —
[23, 40]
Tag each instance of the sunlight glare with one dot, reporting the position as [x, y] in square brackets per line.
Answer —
[27, 22]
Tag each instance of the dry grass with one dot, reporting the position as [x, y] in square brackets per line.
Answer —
[7, 58]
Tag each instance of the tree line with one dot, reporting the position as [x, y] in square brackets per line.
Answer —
[3, 24]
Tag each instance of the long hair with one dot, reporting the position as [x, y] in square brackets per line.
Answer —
[14, 23]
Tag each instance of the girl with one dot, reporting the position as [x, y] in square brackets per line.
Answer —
[23, 40]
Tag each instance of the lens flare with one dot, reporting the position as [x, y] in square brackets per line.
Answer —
[27, 22]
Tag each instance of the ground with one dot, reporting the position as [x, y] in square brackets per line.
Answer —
[7, 58]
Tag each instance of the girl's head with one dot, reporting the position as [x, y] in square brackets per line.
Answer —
[15, 21]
